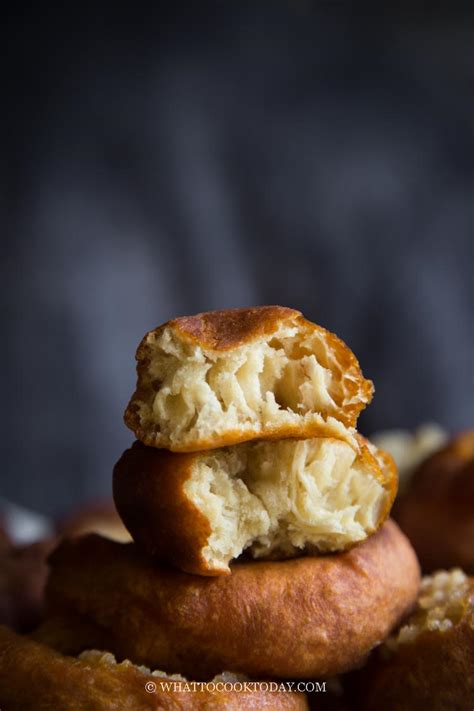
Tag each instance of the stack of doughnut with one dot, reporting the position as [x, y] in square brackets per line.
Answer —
[259, 517]
[246, 442]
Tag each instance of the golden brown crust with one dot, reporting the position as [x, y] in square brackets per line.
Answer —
[437, 510]
[385, 467]
[229, 328]
[33, 676]
[434, 672]
[150, 495]
[302, 618]
[224, 330]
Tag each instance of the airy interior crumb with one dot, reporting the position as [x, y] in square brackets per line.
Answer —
[284, 496]
[285, 379]
[440, 605]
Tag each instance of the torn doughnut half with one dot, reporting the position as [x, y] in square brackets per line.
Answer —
[224, 377]
[275, 499]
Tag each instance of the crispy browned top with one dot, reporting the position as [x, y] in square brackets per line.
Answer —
[228, 328]
[219, 332]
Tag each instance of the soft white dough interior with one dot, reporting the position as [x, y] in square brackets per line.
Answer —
[283, 496]
[285, 378]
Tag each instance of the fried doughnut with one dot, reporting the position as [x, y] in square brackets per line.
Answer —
[437, 510]
[34, 677]
[225, 377]
[309, 617]
[199, 511]
[429, 662]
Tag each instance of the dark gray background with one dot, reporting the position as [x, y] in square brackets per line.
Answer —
[161, 164]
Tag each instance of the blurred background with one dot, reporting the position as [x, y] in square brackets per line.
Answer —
[161, 163]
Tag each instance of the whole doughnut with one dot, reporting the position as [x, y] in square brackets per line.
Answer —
[301, 618]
